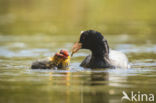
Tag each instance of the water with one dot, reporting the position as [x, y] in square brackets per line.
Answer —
[18, 83]
[36, 29]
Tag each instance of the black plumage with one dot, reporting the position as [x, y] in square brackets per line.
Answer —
[97, 44]
[101, 55]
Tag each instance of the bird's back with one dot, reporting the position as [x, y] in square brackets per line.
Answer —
[118, 59]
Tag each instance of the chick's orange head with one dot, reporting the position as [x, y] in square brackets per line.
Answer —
[64, 53]
[58, 55]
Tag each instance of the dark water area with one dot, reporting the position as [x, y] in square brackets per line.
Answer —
[31, 30]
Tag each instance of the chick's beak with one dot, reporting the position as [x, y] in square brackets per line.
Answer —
[76, 47]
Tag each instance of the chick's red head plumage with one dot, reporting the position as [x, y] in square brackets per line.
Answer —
[64, 53]
[59, 55]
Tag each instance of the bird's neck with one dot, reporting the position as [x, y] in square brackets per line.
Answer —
[100, 56]
[100, 50]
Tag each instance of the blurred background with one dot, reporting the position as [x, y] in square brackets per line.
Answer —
[72, 16]
[36, 29]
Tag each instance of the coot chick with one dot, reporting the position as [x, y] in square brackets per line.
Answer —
[59, 60]
[101, 56]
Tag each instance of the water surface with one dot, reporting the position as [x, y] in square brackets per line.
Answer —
[18, 83]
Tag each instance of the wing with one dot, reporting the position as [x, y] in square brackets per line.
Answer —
[86, 61]
[118, 59]
[41, 64]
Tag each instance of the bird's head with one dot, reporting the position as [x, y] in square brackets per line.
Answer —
[61, 59]
[62, 54]
[89, 39]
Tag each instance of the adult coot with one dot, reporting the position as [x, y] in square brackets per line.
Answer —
[101, 56]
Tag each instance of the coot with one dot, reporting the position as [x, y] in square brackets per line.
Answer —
[101, 55]
[59, 60]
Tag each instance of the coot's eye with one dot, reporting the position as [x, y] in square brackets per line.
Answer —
[83, 38]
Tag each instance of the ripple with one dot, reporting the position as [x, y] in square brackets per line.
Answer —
[130, 48]
[5, 52]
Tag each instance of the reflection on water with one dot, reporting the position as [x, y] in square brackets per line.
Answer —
[128, 25]
[18, 83]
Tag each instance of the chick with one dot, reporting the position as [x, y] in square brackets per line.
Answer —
[59, 60]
